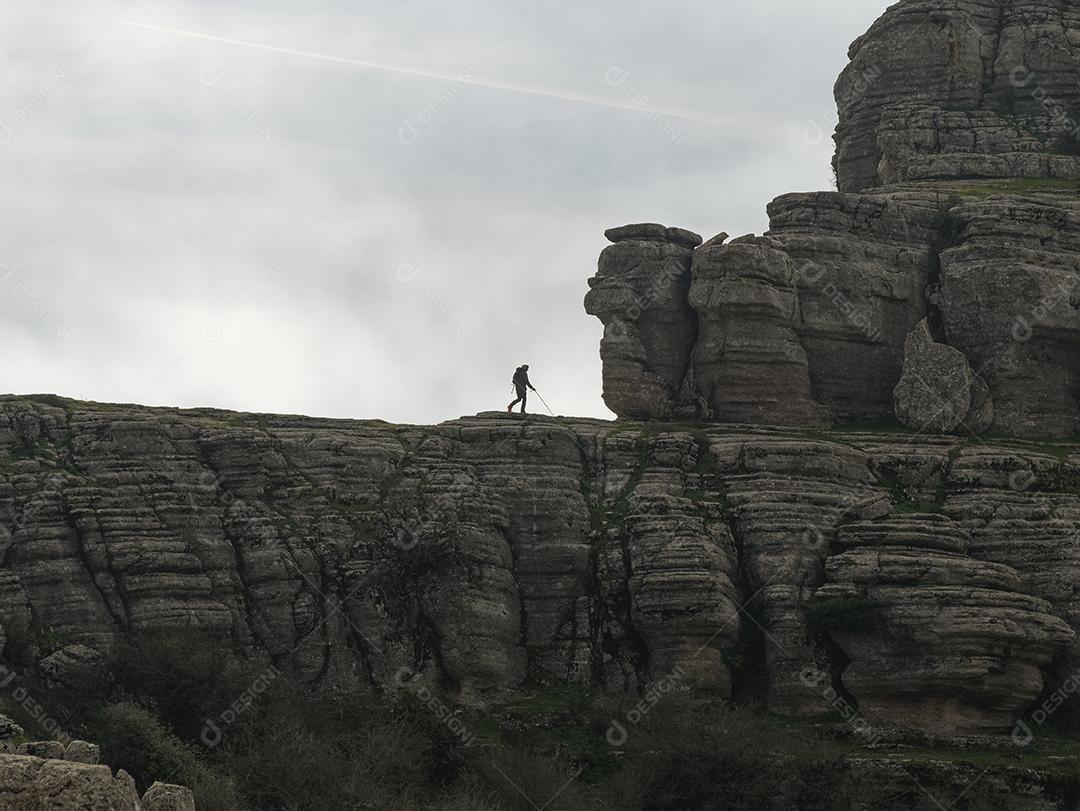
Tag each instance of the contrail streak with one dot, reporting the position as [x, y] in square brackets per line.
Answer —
[532, 90]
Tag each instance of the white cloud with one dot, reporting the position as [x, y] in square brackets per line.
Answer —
[158, 176]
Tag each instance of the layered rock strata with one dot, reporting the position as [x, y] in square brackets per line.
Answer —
[967, 88]
[936, 639]
[490, 553]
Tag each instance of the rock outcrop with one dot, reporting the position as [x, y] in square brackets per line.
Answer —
[640, 293]
[936, 640]
[34, 784]
[961, 89]
[725, 539]
[491, 552]
[958, 168]
[49, 776]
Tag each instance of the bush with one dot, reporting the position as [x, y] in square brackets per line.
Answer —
[132, 739]
[297, 751]
[183, 676]
[683, 756]
[522, 780]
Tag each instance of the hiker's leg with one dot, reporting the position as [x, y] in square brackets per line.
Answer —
[524, 399]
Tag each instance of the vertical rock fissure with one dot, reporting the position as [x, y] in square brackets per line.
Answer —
[122, 622]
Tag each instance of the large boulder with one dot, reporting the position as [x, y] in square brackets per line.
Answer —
[76, 667]
[938, 391]
[34, 784]
[83, 752]
[167, 797]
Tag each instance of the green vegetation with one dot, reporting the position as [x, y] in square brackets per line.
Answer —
[876, 425]
[1032, 185]
[292, 748]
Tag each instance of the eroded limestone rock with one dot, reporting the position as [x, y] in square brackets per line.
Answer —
[958, 168]
[938, 391]
[490, 552]
[964, 88]
[167, 797]
[33, 784]
[937, 640]
[640, 295]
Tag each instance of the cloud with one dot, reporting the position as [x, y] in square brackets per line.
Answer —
[157, 179]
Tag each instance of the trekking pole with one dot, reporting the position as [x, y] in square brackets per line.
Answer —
[542, 400]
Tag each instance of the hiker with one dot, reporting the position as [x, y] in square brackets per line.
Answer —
[521, 386]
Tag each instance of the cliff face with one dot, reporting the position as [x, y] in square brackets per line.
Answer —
[958, 168]
[961, 89]
[489, 553]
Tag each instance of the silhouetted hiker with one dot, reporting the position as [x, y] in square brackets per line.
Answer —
[521, 386]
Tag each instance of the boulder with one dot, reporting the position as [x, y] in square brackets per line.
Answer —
[49, 750]
[76, 667]
[167, 797]
[938, 391]
[83, 752]
[652, 232]
[9, 729]
[35, 784]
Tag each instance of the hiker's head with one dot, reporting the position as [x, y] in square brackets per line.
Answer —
[525, 366]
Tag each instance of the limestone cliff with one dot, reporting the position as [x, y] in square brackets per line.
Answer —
[958, 168]
[489, 553]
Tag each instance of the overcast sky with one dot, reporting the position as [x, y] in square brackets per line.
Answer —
[333, 224]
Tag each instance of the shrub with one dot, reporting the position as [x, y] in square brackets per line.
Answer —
[183, 676]
[133, 739]
[735, 758]
[522, 780]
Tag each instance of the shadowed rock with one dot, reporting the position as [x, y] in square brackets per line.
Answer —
[937, 640]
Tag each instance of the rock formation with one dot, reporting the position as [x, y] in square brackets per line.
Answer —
[936, 639]
[491, 552]
[640, 293]
[958, 168]
[967, 88]
[47, 776]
